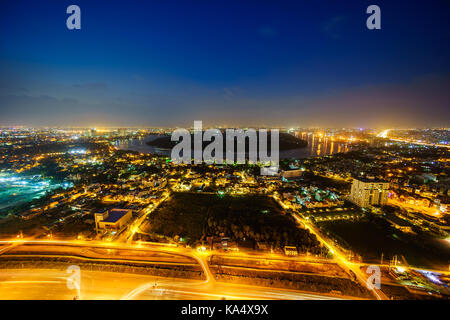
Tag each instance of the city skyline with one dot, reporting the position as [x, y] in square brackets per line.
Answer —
[168, 64]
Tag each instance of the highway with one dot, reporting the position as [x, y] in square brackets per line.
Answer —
[50, 284]
[143, 286]
[75, 246]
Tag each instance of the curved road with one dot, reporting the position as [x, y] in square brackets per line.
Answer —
[49, 284]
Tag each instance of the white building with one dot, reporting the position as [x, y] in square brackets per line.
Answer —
[292, 174]
[366, 192]
[112, 220]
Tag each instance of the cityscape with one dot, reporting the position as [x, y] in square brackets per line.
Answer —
[79, 196]
[94, 205]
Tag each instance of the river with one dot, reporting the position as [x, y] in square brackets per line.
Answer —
[317, 146]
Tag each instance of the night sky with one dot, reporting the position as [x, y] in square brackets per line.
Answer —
[235, 63]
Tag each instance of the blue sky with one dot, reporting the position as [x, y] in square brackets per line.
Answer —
[302, 63]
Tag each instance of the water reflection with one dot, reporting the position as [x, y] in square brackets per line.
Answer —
[318, 145]
[141, 146]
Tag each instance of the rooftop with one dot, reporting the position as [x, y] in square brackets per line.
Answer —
[115, 215]
[370, 180]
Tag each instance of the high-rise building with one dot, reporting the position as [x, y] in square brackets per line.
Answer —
[366, 192]
[122, 132]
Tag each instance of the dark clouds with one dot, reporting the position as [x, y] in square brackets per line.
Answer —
[422, 102]
[145, 63]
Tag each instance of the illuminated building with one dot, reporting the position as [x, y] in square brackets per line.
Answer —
[366, 192]
[290, 251]
[289, 174]
[112, 220]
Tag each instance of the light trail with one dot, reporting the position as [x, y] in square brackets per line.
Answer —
[201, 257]
[342, 261]
[134, 228]
[210, 284]
[384, 133]
[29, 281]
[101, 285]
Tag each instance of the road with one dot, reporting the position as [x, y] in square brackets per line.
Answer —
[49, 284]
[128, 235]
[75, 246]
[340, 257]
[176, 289]
[414, 208]
[385, 134]
[350, 267]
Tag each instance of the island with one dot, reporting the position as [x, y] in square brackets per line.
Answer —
[286, 142]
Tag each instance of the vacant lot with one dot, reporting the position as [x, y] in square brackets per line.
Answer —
[242, 218]
[371, 239]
